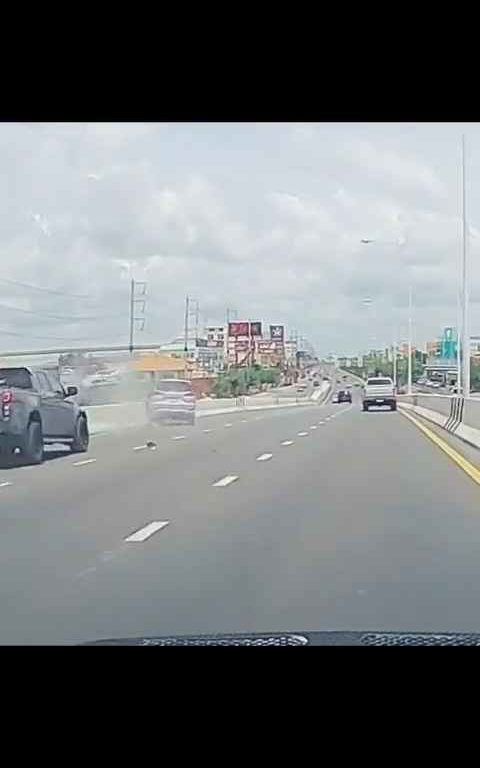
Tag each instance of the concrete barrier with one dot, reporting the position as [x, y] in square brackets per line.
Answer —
[118, 416]
[456, 415]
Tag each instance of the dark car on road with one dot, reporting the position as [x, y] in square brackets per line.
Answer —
[344, 396]
[36, 409]
[172, 400]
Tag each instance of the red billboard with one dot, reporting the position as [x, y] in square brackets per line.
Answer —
[244, 329]
[238, 329]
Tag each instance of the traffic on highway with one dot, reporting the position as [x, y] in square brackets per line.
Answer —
[239, 385]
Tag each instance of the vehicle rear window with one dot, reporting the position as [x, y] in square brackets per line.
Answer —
[15, 377]
[174, 386]
[380, 382]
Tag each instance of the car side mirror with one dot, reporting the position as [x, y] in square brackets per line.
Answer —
[71, 391]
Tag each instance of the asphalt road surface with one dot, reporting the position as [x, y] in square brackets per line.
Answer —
[320, 517]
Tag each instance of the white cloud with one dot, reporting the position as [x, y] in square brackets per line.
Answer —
[267, 219]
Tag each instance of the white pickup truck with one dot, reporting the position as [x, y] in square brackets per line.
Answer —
[378, 391]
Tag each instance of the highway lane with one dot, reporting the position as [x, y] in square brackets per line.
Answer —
[359, 523]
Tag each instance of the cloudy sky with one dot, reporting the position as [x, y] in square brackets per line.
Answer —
[263, 218]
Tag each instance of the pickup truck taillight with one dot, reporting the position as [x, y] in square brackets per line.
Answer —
[7, 402]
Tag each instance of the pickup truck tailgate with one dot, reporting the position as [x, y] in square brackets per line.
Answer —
[374, 392]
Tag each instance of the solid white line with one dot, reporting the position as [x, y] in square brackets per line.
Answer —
[302, 434]
[264, 457]
[147, 531]
[82, 463]
[225, 481]
[4, 485]
[228, 425]
[287, 442]
[179, 437]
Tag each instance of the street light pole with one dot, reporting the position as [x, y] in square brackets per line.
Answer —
[132, 315]
[394, 362]
[409, 386]
[465, 329]
[185, 347]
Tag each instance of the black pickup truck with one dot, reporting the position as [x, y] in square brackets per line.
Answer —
[36, 409]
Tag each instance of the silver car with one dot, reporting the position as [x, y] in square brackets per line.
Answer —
[172, 400]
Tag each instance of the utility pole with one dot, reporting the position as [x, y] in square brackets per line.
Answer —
[132, 315]
[409, 387]
[465, 329]
[138, 292]
[394, 351]
[185, 347]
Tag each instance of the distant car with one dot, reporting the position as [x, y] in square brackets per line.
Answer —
[171, 400]
[335, 398]
[436, 384]
[316, 383]
[344, 396]
[301, 387]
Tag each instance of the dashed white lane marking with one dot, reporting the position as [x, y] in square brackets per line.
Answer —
[4, 485]
[228, 425]
[225, 481]
[244, 421]
[139, 447]
[287, 442]
[302, 434]
[264, 457]
[321, 423]
[148, 530]
[83, 462]
[207, 431]
[179, 437]
[314, 426]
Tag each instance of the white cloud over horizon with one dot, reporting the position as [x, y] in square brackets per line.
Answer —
[264, 218]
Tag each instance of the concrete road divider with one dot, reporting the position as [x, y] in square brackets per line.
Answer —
[118, 416]
[457, 415]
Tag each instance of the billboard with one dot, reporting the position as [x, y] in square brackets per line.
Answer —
[266, 346]
[244, 329]
[449, 343]
[238, 329]
[215, 336]
[277, 332]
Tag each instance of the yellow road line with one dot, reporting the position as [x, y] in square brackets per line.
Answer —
[460, 460]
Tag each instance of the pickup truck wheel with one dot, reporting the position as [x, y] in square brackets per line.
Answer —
[33, 450]
[81, 438]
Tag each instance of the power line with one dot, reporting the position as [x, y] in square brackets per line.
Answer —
[45, 290]
[30, 336]
[57, 317]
